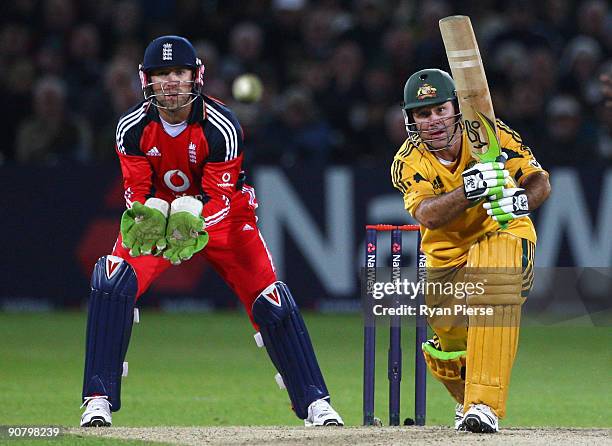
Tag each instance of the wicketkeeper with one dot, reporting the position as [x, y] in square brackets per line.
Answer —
[181, 157]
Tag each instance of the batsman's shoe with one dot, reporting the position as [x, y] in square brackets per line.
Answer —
[320, 413]
[458, 416]
[97, 412]
[480, 419]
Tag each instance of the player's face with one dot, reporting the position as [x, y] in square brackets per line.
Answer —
[172, 86]
[435, 124]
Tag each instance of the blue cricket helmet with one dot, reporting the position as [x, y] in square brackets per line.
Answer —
[169, 51]
[165, 52]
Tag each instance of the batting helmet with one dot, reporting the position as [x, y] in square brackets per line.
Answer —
[425, 88]
[428, 87]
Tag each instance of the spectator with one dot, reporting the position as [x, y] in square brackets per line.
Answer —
[298, 134]
[579, 65]
[246, 51]
[398, 44]
[571, 137]
[594, 21]
[371, 22]
[52, 135]
[121, 91]
[16, 89]
[395, 128]
[429, 51]
[345, 101]
[342, 52]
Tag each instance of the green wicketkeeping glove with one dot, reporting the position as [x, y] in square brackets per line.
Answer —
[143, 227]
[185, 234]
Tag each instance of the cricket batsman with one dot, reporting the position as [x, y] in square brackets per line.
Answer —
[475, 228]
[181, 155]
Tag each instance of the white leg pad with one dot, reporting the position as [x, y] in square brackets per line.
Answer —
[125, 369]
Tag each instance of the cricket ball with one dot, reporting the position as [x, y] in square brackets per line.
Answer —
[247, 88]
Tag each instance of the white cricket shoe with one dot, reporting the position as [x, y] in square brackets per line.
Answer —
[480, 419]
[458, 416]
[320, 413]
[97, 412]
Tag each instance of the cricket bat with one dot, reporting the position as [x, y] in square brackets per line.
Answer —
[473, 93]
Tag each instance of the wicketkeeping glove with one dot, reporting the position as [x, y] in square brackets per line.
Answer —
[484, 179]
[185, 234]
[143, 226]
[513, 204]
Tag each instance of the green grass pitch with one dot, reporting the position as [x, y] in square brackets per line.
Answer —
[205, 370]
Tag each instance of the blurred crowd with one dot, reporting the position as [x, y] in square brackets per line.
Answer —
[333, 72]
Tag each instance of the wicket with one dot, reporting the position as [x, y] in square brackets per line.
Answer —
[394, 367]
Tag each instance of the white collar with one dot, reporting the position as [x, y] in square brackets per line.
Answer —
[173, 129]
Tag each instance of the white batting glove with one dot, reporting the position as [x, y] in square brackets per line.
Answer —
[485, 179]
[512, 204]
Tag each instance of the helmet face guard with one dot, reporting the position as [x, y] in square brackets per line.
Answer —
[450, 125]
[426, 88]
[170, 52]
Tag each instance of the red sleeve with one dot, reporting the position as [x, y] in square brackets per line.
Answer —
[136, 170]
[219, 185]
[137, 174]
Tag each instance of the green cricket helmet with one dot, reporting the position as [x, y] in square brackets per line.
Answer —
[428, 87]
[425, 88]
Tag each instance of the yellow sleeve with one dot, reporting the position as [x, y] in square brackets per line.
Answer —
[521, 161]
[411, 181]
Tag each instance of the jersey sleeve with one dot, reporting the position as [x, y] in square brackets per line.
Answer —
[224, 162]
[219, 186]
[135, 168]
[521, 161]
[223, 132]
[411, 180]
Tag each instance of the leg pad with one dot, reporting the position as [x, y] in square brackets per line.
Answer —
[288, 344]
[498, 261]
[109, 327]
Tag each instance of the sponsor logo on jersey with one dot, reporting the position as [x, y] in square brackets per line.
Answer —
[176, 180]
[248, 227]
[193, 158]
[112, 265]
[271, 295]
[153, 152]
[426, 91]
[226, 178]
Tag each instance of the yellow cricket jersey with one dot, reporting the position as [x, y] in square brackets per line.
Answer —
[418, 174]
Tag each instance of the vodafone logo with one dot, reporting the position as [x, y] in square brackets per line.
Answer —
[112, 265]
[225, 178]
[176, 180]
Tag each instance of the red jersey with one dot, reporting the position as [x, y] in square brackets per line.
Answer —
[203, 161]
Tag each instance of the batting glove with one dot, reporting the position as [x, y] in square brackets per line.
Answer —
[185, 234]
[143, 227]
[513, 204]
[484, 179]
